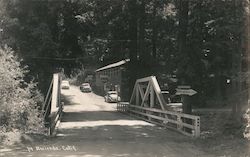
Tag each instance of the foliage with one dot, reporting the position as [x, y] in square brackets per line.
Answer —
[72, 34]
[19, 100]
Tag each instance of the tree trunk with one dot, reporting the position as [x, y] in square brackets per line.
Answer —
[154, 36]
[182, 47]
[141, 27]
[237, 70]
[247, 44]
[145, 60]
[182, 36]
[133, 47]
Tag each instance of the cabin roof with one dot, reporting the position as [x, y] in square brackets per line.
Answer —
[113, 65]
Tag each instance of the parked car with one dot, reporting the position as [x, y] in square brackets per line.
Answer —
[176, 103]
[65, 84]
[85, 87]
[112, 96]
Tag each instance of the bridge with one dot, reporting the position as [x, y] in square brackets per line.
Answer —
[84, 125]
[147, 103]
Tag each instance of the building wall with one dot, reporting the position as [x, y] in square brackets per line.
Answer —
[109, 79]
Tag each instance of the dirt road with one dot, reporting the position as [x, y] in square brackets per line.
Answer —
[92, 128]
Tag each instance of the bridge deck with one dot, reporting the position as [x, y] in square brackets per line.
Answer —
[94, 127]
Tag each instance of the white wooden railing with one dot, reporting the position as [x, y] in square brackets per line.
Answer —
[147, 103]
[184, 123]
[52, 107]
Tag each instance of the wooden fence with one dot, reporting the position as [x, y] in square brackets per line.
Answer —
[52, 107]
[184, 123]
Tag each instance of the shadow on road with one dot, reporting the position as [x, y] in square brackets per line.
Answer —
[94, 129]
[93, 116]
[67, 100]
[102, 132]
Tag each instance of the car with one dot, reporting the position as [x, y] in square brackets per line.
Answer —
[65, 84]
[112, 96]
[85, 87]
[176, 103]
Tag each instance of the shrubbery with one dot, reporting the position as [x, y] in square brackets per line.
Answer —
[19, 100]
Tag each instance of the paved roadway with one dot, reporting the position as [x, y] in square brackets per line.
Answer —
[92, 128]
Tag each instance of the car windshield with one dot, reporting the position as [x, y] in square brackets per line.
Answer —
[176, 99]
[113, 92]
[85, 84]
[65, 82]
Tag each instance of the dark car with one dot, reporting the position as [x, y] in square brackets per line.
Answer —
[85, 87]
[176, 103]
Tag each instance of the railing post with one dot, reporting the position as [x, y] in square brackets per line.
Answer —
[55, 92]
[197, 126]
[59, 91]
[117, 107]
[179, 124]
[47, 96]
[52, 107]
[127, 106]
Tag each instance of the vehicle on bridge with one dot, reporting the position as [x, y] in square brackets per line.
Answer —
[65, 84]
[112, 96]
[174, 101]
[85, 87]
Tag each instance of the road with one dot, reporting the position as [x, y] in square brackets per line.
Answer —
[91, 127]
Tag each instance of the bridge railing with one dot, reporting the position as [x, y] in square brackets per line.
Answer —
[52, 107]
[147, 102]
[184, 123]
[122, 106]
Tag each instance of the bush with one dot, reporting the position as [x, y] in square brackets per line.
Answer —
[19, 100]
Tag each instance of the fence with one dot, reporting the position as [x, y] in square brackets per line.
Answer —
[184, 123]
[52, 107]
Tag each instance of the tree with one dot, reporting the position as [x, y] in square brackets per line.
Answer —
[183, 6]
[19, 99]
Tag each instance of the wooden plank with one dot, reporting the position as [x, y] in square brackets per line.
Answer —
[145, 79]
[147, 111]
[197, 127]
[156, 85]
[146, 94]
[166, 112]
[55, 93]
[133, 93]
[56, 106]
[165, 119]
[59, 90]
[55, 119]
[137, 98]
[122, 106]
[160, 124]
[152, 97]
[47, 95]
[158, 92]
[141, 91]
[125, 103]
[47, 107]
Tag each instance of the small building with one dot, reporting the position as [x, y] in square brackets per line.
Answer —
[112, 77]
